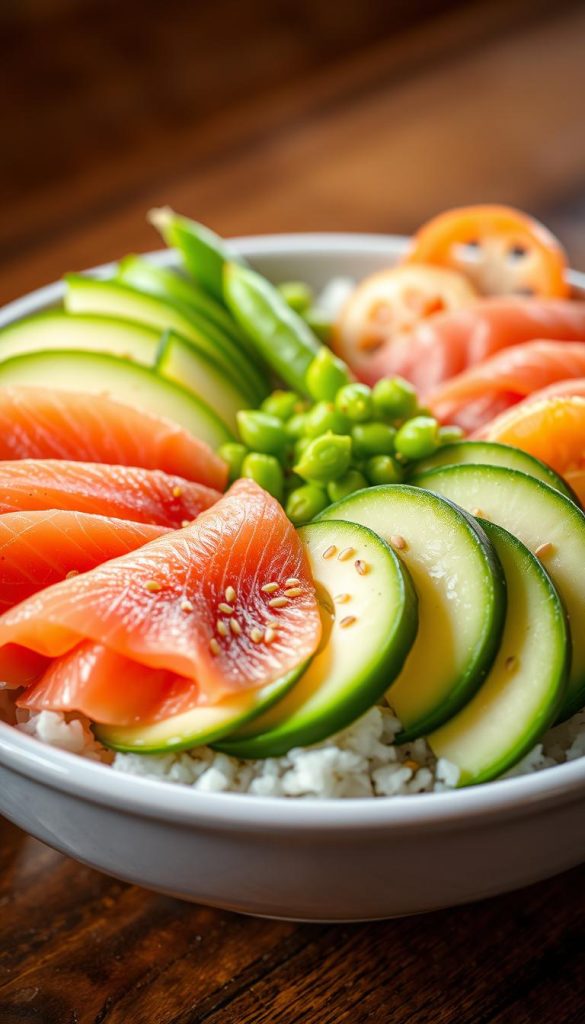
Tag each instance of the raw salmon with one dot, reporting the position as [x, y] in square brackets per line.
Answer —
[126, 492]
[479, 394]
[36, 423]
[447, 343]
[193, 603]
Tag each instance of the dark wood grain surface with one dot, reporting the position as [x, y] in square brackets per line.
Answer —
[258, 117]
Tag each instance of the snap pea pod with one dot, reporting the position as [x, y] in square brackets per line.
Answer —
[281, 337]
[203, 252]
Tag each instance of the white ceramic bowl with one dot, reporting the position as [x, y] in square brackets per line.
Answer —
[299, 859]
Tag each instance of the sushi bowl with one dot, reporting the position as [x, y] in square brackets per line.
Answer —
[304, 859]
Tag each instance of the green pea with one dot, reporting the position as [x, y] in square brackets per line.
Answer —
[450, 434]
[234, 454]
[301, 446]
[418, 437]
[261, 432]
[325, 459]
[281, 404]
[297, 295]
[295, 427]
[306, 502]
[355, 402]
[320, 323]
[324, 417]
[326, 375]
[266, 471]
[372, 439]
[394, 398]
[384, 469]
[351, 481]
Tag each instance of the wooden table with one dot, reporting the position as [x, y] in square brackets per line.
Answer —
[278, 117]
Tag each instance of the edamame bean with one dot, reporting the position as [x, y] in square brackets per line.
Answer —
[324, 417]
[261, 432]
[384, 469]
[372, 439]
[450, 434]
[306, 502]
[325, 459]
[282, 404]
[234, 454]
[266, 471]
[418, 437]
[297, 295]
[355, 402]
[326, 375]
[351, 481]
[394, 398]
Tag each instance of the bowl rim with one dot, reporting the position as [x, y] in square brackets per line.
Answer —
[152, 798]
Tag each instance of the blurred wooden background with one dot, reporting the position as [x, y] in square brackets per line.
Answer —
[272, 114]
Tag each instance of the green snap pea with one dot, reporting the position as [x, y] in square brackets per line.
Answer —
[281, 336]
[203, 253]
[355, 402]
[418, 437]
[326, 375]
[351, 481]
[297, 295]
[266, 471]
[372, 439]
[324, 417]
[384, 469]
[282, 404]
[394, 398]
[234, 454]
[325, 459]
[450, 434]
[306, 502]
[261, 432]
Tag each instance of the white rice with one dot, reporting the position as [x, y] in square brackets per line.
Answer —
[362, 761]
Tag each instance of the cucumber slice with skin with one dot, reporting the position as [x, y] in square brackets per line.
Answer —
[56, 329]
[194, 370]
[366, 639]
[110, 298]
[524, 690]
[135, 385]
[546, 522]
[143, 275]
[490, 453]
[462, 599]
[197, 727]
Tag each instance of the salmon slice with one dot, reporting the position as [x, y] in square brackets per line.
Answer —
[38, 549]
[192, 602]
[479, 394]
[36, 423]
[125, 492]
[447, 343]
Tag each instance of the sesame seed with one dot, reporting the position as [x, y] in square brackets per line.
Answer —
[361, 567]
[330, 551]
[345, 554]
[225, 609]
[269, 635]
[230, 594]
[511, 662]
[214, 646]
[177, 492]
[543, 549]
[186, 606]
[185, 522]
[256, 635]
[348, 621]
[293, 592]
[292, 581]
[222, 627]
[342, 598]
[398, 542]
[71, 574]
[278, 602]
[235, 627]
[413, 765]
[269, 588]
[152, 586]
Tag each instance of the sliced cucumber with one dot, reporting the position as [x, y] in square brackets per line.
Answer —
[110, 298]
[490, 453]
[56, 329]
[367, 636]
[197, 727]
[462, 599]
[524, 690]
[119, 378]
[140, 273]
[186, 365]
[548, 523]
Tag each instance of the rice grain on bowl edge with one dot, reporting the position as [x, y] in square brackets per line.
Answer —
[362, 761]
